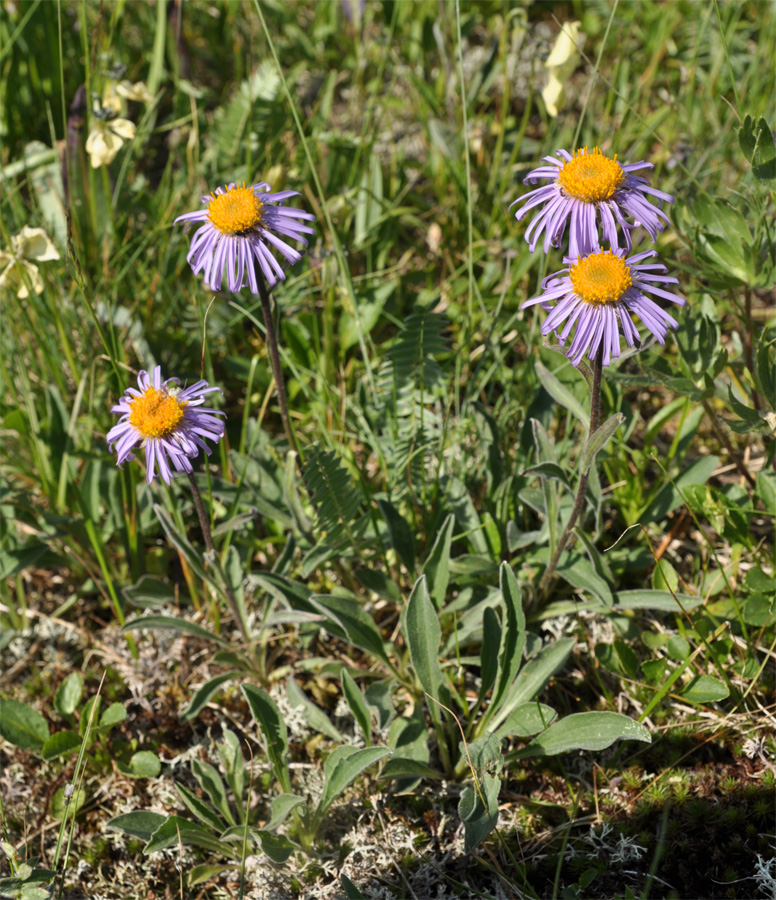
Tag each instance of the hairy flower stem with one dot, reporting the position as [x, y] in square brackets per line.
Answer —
[595, 414]
[277, 371]
[205, 523]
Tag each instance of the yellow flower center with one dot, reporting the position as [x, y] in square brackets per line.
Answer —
[239, 209]
[155, 413]
[591, 176]
[601, 277]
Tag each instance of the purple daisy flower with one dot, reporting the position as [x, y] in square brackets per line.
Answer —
[162, 418]
[587, 188]
[241, 224]
[598, 293]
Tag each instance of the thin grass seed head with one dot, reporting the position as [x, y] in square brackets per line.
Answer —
[167, 421]
[596, 196]
[599, 293]
[239, 230]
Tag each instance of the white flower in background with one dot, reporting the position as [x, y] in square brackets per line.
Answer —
[19, 272]
[106, 137]
[115, 95]
[563, 59]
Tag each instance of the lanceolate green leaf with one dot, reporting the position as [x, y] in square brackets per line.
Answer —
[437, 566]
[342, 767]
[534, 676]
[423, 634]
[172, 624]
[585, 731]
[273, 729]
[561, 394]
[512, 636]
[598, 440]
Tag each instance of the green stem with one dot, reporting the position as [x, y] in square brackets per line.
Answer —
[595, 414]
[277, 370]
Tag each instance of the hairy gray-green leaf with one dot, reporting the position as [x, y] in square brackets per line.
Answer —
[585, 731]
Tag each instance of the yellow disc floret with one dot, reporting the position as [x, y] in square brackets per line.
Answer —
[591, 176]
[239, 209]
[601, 277]
[155, 413]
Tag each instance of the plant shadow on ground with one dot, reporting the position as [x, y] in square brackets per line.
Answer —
[654, 829]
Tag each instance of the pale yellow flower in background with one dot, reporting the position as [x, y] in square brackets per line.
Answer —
[19, 271]
[137, 91]
[563, 59]
[106, 138]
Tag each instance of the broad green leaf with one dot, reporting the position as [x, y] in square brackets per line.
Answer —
[705, 689]
[111, 717]
[654, 670]
[139, 824]
[203, 695]
[68, 694]
[201, 810]
[22, 726]
[276, 846]
[357, 705]
[528, 719]
[561, 394]
[176, 830]
[585, 731]
[172, 624]
[423, 634]
[678, 648]
[437, 566]
[144, 764]
[273, 729]
[342, 767]
[60, 743]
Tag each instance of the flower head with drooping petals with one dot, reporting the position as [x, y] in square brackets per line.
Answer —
[167, 421]
[598, 293]
[589, 190]
[240, 228]
[18, 271]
